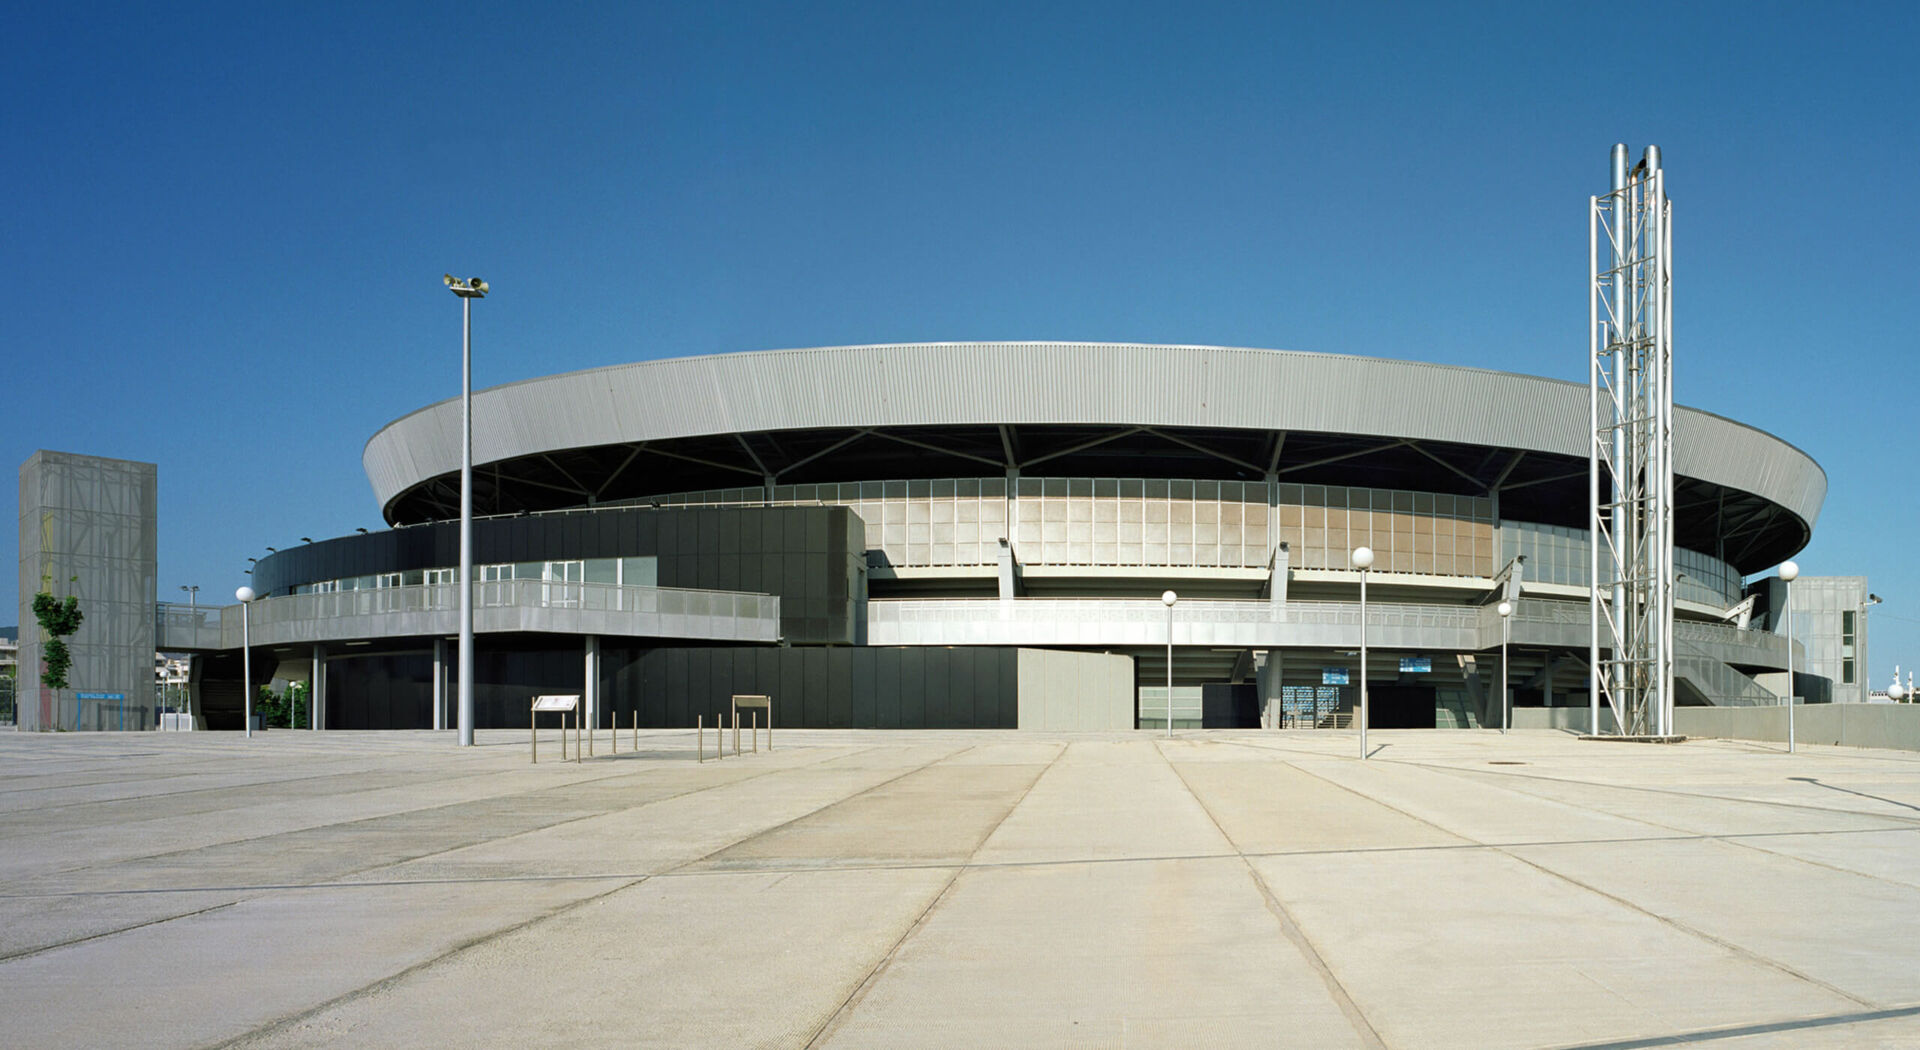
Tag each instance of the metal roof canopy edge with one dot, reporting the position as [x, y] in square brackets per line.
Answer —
[1041, 383]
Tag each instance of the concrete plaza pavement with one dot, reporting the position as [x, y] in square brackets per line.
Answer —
[941, 889]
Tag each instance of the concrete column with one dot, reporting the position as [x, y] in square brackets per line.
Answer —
[439, 683]
[1279, 570]
[1267, 673]
[1009, 583]
[590, 695]
[317, 689]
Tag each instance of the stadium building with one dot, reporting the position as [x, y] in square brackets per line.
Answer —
[979, 534]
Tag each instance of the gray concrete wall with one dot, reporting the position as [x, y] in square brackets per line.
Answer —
[1573, 718]
[93, 519]
[1848, 725]
[1074, 691]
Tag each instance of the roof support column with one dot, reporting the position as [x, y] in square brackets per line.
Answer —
[590, 691]
[1266, 670]
[1278, 570]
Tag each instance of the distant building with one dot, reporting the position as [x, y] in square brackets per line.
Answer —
[1830, 623]
[88, 528]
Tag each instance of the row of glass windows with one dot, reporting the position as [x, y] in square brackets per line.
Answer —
[1558, 554]
[626, 572]
[1149, 521]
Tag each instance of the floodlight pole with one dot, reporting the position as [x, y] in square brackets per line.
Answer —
[468, 290]
[466, 521]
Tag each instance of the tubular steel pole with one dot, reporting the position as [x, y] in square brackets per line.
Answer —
[1506, 697]
[1363, 665]
[246, 664]
[1169, 670]
[466, 522]
[1788, 601]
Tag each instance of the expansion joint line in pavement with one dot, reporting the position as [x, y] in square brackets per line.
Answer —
[1289, 927]
[836, 1019]
[245, 893]
[31, 952]
[400, 975]
[557, 911]
[1771, 803]
[1691, 931]
[1742, 841]
[451, 805]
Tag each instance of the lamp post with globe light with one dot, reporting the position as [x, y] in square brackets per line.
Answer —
[1788, 573]
[1506, 696]
[1169, 598]
[1363, 560]
[245, 597]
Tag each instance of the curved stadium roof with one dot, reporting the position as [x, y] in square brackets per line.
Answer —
[1072, 409]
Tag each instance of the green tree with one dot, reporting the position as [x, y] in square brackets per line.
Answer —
[58, 619]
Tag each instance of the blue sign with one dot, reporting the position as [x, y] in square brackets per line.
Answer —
[1333, 676]
[100, 696]
[1416, 665]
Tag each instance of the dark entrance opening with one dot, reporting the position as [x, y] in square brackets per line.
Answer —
[1229, 705]
[1400, 706]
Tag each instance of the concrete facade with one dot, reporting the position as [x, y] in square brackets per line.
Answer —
[1065, 691]
[89, 527]
[1845, 725]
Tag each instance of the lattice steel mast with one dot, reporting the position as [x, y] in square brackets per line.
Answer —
[1630, 457]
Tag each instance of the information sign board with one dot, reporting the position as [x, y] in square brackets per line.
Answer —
[1333, 676]
[1416, 665]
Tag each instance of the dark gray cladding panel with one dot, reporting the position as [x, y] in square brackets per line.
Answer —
[808, 556]
[817, 687]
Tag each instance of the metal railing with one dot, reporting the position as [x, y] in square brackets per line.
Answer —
[1150, 610]
[202, 628]
[187, 626]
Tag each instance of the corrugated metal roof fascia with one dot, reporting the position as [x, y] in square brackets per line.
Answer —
[1056, 383]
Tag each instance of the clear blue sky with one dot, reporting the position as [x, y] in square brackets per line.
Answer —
[225, 226]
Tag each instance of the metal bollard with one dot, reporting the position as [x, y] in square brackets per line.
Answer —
[636, 729]
[756, 732]
[700, 734]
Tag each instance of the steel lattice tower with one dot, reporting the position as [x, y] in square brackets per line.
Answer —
[1630, 458]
